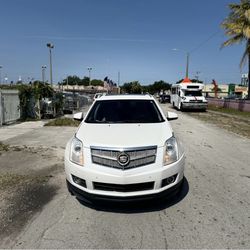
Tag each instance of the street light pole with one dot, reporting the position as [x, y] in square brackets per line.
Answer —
[43, 73]
[187, 65]
[1, 73]
[197, 75]
[50, 46]
[119, 76]
[89, 69]
[6, 79]
[187, 60]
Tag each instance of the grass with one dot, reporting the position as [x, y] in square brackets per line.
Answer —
[4, 147]
[63, 122]
[229, 111]
[232, 120]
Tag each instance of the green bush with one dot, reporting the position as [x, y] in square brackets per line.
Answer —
[63, 122]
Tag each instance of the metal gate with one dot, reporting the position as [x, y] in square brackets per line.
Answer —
[9, 106]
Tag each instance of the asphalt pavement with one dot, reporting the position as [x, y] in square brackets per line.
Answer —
[212, 211]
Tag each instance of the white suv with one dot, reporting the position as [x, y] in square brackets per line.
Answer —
[124, 149]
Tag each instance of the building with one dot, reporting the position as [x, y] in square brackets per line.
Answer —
[222, 90]
[225, 90]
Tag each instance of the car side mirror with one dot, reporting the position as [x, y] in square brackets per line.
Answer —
[78, 116]
[171, 116]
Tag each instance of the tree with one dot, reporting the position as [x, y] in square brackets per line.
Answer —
[157, 86]
[237, 28]
[132, 87]
[96, 82]
[136, 88]
[76, 80]
[85, 81]
[41, 90]
[33, 94]
[71, 80]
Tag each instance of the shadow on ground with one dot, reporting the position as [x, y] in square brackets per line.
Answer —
[22, 205]
[188, 110]
[151, 205]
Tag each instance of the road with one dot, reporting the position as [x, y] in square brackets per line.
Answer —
[213, 210]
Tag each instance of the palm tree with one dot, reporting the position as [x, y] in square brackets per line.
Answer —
[237, 27]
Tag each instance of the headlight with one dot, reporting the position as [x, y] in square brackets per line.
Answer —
[172, 152]
[76, 151]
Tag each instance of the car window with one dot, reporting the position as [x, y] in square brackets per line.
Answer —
[124, 111]
[192, 93]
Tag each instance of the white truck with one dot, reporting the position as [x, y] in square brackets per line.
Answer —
[188, 95]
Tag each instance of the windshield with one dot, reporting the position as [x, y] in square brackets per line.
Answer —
[124, 111]
[192, 93]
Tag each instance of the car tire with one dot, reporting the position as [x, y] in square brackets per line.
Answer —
[181, 107]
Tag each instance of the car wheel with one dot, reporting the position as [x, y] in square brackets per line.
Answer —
[181, 107]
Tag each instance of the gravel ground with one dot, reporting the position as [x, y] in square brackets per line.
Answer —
[26, 185]
[236, 124]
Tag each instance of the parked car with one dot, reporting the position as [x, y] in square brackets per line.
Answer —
[163, 98]
[97, 95]
[124, 149]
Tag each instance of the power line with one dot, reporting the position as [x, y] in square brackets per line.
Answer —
[205, 41]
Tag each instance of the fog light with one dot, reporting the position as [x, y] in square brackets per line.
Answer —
[79, 181]
[168, 180]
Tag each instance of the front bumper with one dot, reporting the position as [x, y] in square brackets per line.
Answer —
[85, 196]
[194, 105]
[142, 175]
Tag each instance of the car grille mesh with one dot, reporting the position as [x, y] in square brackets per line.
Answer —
[195, 101]
[138, 157]
[123, 188]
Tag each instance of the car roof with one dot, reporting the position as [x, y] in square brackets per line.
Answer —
[126, 97]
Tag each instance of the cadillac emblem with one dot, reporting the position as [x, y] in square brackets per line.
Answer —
[123, 159]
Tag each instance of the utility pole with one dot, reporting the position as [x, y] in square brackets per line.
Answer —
[89, 69]
[187, 65]
[1, 73]
[197, 75]
[43, 73]
[50, 46]
[187, 62]
[118, 78]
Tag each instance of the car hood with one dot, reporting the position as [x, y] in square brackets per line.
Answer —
[124, 135]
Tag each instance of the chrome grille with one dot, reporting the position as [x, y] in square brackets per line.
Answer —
[138, 157]
[195, 101]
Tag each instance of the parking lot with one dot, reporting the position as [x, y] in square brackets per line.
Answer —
[212, 211]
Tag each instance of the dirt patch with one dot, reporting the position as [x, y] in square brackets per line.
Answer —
[232, 123]
[28, 181]
[29, 160]
[21, 200]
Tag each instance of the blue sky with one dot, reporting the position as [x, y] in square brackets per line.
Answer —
[135, 37]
